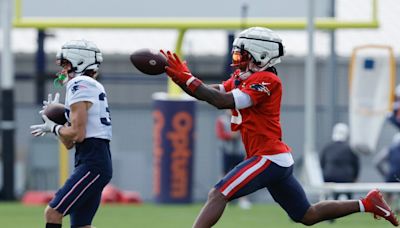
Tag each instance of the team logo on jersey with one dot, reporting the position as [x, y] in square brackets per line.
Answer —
[77, 87]
[261, 87]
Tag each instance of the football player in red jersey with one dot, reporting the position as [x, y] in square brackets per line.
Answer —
[254, 93]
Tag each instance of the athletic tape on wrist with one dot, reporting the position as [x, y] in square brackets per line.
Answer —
[193, 83]
[190, 80]
[56, 129]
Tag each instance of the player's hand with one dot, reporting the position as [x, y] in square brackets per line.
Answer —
[176, 69]
[42, 129]
[180, 73]
[50, 100]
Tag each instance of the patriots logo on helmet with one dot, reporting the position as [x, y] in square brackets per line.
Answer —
[261, 87]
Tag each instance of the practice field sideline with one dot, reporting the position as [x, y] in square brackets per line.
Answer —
[16, 215]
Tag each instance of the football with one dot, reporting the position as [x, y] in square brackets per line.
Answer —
[56, 113]
[149, 61]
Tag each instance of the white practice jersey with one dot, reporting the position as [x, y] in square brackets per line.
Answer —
[84, 88]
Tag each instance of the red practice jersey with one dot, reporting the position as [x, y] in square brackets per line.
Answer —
[259, 124]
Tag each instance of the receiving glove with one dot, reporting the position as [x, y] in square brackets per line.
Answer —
[47, 126]
[50, 100]
[179, 72]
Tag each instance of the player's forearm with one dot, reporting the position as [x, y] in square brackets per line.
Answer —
[76, 132]
[198, 96]
[193, 86]
[67, 143]
[184, 88]
[214, 97]
[207, 94]
[72, 134]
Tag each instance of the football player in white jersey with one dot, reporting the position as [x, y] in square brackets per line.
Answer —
[88, 130]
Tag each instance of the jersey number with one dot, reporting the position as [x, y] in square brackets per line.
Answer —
[105, 116]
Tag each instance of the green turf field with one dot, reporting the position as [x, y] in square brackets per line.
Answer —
[15, 215]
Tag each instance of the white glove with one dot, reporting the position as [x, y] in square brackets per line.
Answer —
[42, 129]
[50, 100]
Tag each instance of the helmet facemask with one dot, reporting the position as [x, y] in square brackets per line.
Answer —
[240, 59]
[263, 46]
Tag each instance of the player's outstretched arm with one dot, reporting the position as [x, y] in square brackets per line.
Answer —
[211, 95]
[215, 97]
[178, 71]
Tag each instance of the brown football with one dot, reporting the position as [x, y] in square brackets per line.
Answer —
[149, 61]
[56, 113]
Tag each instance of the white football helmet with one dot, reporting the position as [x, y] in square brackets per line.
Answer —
[340, 132]
[82, 54]
[264, 46]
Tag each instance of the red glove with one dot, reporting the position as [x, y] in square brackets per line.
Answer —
[179, 72]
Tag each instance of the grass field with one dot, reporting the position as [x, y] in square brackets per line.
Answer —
[15, 215]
